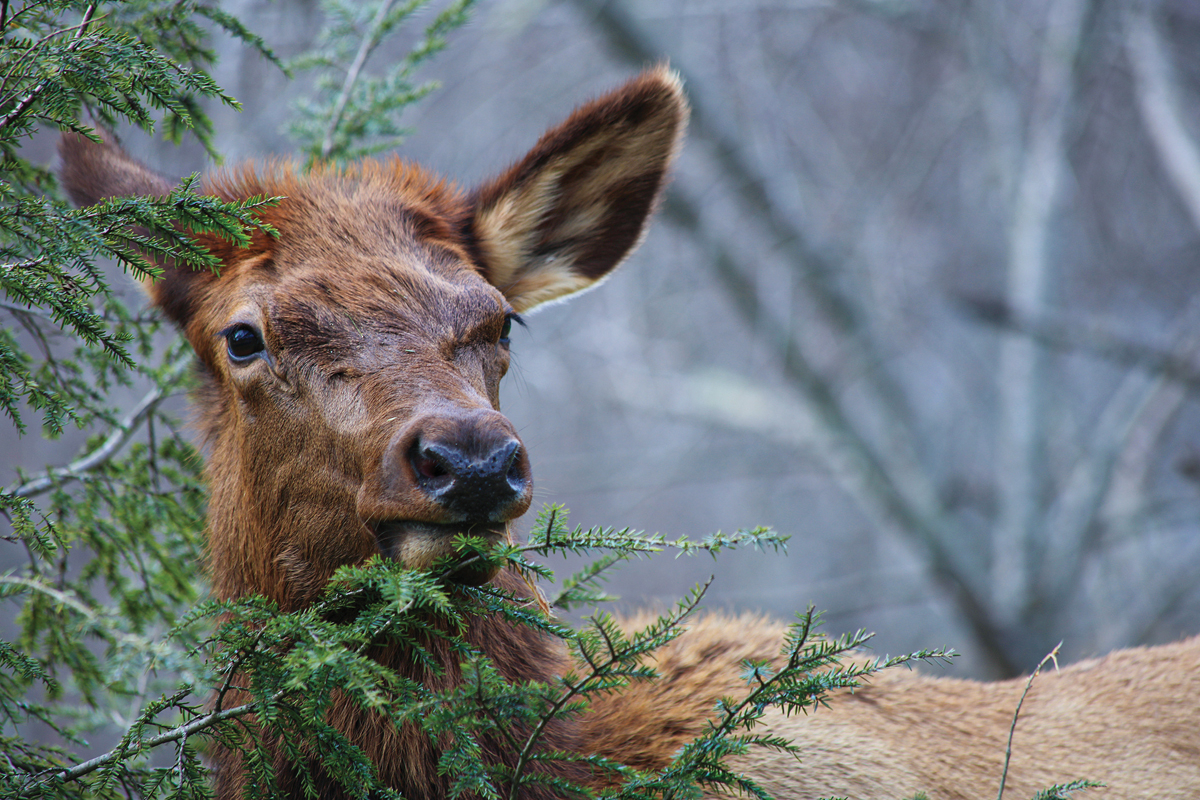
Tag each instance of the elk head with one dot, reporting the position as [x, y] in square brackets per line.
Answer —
[351, 366]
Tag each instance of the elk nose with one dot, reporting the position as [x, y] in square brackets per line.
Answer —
[477, 487]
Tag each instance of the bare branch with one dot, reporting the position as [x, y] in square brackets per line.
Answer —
[849, 456]
[17, 308]
[1158, 100]
[1022, 360]
[1096, 339]
[889, 483]
[818, 272]
[1138, 409]
[1156, 604]
[1119, 450]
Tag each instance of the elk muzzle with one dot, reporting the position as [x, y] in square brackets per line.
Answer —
[463, 472]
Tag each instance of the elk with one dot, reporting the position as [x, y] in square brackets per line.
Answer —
[349, 402]
[350, 368]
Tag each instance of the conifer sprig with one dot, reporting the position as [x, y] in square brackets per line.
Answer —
[354, 113]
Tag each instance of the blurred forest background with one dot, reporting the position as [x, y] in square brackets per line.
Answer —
[922, 296]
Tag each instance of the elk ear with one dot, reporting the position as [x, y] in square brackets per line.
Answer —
[94, 171]
[568, 214]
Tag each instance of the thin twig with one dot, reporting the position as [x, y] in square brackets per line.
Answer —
[812, 264]
[33, 48]
[64, 597]
[849, 455]
[227, 684]
[576, 689]
[550, 526]
[173, 735]
[1020, 462]
[179, 733]
[369, 42]
[179, 761]
[1012, 729]
[17, 308]
[1090, 338]
[888, 481]
[120, 435]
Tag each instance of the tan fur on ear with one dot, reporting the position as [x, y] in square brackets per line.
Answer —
[576, 206]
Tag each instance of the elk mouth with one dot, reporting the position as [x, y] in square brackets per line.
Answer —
[421, 545]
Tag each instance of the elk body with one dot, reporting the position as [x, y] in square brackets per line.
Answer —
[1128, 720]
[350, 404]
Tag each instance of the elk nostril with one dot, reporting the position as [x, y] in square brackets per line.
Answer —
[427, 464]
[429, 468]
[515, 474]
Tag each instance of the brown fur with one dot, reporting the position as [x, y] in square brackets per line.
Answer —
[381, 307]
[1127, 720]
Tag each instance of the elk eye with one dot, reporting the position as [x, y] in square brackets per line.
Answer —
[509, 319]
[243, 343]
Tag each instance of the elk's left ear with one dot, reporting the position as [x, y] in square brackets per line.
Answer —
[568, 214]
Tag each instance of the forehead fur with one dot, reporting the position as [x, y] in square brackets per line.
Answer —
[372, 206]
[369, 317]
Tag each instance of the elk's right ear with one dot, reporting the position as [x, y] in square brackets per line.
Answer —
[564, 217]
[92, 172]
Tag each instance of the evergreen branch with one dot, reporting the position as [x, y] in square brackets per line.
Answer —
[582, 586]
[237, 663]
[354, 113]
[93, 618]
[654, 636]
[235, 28]
[117, 439]
[33, 48]
[179, 733]
[369, 42]
[27, 102]
[1062, 791]
[121, 751]
[550, 534]
[810, 671]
